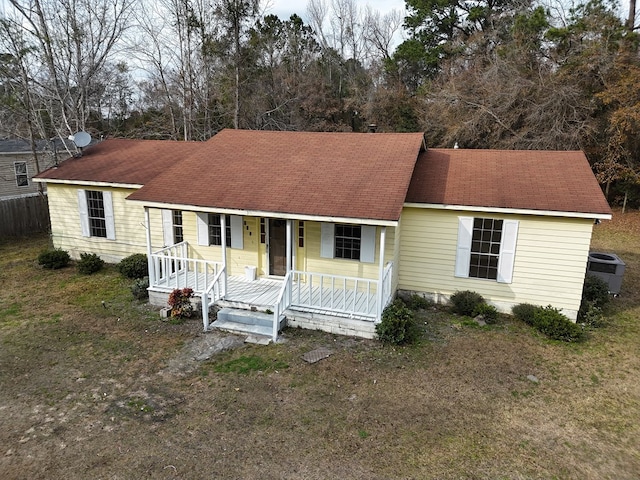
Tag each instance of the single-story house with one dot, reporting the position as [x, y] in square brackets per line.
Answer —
[322, 229]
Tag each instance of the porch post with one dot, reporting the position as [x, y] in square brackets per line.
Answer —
[383, 234]
[289, 244]
[151, 263]
[223, 238]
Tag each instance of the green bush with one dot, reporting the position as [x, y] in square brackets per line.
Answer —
[591, 315]
[555, 325]
[489, 312]
[134, 266]
[595, 297]
[139, 288]
[89, 263]
[418, 302]
[54, 259]
[398, 325]
[524, 312]
[465, 302]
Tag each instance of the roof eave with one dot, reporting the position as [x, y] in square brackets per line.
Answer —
[267, 214]
[512, 211]
[90, 183]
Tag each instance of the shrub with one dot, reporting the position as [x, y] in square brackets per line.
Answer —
[595, 297]
[488, 312]
[139, 288]
[555, 325]
[465, 302]
[180, 302]
[89, 263]
[134, 266]
[54, 259]
[590, 315]
[418, 302]
[524, 312]
[398, 325]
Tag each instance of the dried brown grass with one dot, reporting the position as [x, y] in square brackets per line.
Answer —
[84, 392]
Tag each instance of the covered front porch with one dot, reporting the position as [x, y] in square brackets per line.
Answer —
[316, 294]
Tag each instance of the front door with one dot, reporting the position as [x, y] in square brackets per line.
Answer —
[277, 247]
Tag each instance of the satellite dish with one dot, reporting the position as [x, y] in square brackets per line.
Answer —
[81, 139]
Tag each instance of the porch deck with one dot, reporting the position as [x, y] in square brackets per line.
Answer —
[262, 294]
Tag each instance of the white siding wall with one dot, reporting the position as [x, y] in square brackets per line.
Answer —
[130, 231]
[549, 267]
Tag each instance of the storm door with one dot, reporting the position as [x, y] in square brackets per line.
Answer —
[277, 247]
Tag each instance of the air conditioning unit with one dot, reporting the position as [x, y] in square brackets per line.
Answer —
[609, 267]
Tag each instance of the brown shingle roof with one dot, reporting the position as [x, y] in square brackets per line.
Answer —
[120, 160]
[532, 180]
[349, 175]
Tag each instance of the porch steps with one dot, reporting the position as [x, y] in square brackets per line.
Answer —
[244, 321]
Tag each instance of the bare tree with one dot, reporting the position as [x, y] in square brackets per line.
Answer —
[75, 40]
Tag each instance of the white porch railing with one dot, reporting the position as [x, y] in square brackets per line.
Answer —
[214, 292]
[172, 268]
[334, 293]
[387, 292]
[282, 303]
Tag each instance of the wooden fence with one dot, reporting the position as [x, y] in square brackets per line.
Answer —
[23, 216]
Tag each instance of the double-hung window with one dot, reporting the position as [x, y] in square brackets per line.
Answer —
[209, 229]
[347, 241]
[486, 248]
[97, 219]
[22, 175]
[176, 217]
[215, 229]
[96, 214]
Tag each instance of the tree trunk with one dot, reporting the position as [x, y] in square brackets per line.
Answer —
[631, 20]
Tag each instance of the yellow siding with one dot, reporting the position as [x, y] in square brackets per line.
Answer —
[129, 225]
[337, 266]
[549, 268]
[236, 259]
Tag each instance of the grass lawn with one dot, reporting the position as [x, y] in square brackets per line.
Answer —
[86, 391]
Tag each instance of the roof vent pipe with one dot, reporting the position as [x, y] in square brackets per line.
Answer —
[372, 128]
[456, 145]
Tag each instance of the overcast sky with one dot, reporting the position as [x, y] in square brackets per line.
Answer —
[284, 8]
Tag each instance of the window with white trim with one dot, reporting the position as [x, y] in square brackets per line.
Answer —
[486, 248]
[22, 174]
[96, 214]
[347, 241]
[215, 229]
[178, 233]
[354, 242]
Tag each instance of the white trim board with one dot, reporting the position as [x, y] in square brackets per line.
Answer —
[509, 211]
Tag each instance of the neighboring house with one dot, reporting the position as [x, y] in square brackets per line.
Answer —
[324, 228]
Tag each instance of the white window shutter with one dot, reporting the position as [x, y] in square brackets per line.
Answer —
[202, 221]
[167, 227]
[327, 233]
[236, 232]
[107, 200]
[463, 249]
[507, 251]
[84, 213]
[368, 243]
